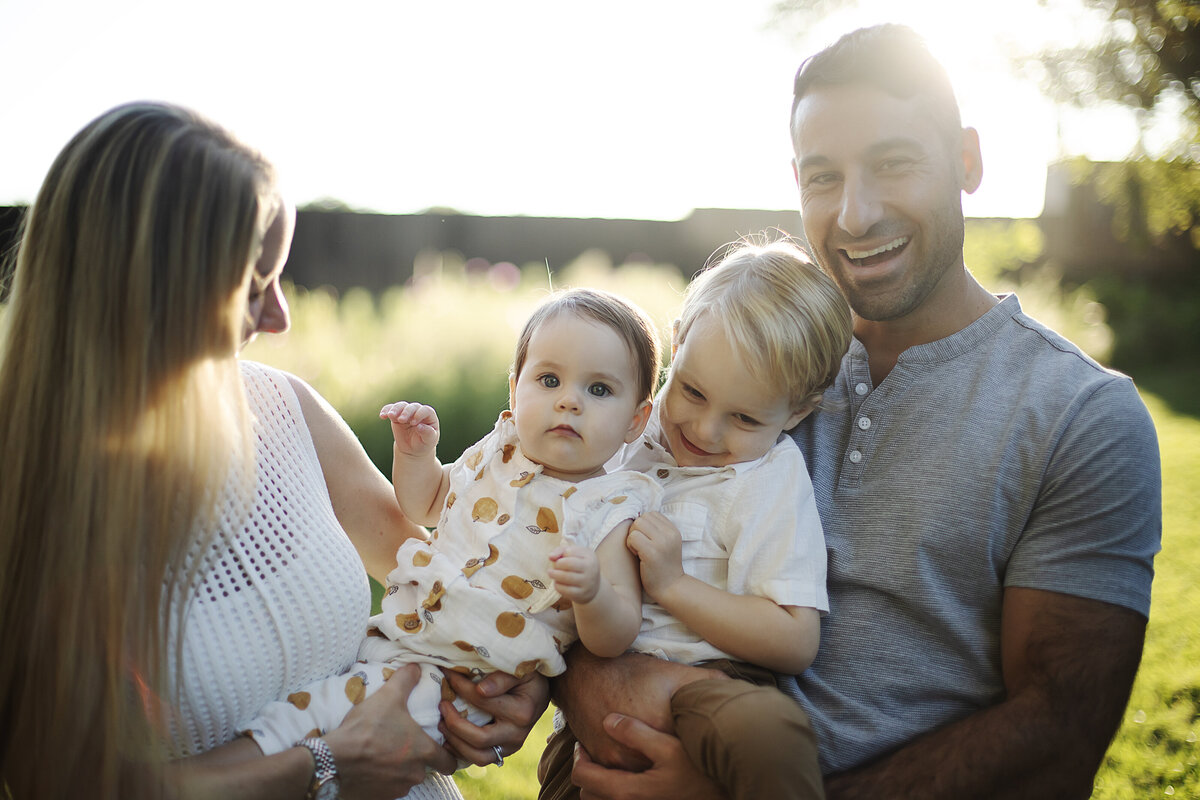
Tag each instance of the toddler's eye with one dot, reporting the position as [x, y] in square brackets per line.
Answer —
[599, 390]
[748, 420]
[549, 381]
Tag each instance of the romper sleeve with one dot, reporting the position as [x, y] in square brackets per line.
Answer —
[602, 503]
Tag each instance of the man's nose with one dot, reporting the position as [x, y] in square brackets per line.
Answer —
[861, 207]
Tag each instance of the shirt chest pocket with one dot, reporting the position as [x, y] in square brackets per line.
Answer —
[699, 542]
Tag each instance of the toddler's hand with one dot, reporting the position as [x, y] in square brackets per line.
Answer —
[575, 571]
[414, 427]
[656, 542]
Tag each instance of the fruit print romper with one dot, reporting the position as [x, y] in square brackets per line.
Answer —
[475, 597]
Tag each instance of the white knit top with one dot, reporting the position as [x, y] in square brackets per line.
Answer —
[281, 598]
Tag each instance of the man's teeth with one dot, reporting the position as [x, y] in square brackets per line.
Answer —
[858, 255]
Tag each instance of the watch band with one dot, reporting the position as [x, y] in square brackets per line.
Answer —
[324, 783]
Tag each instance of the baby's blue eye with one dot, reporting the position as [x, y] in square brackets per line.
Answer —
[599, 390]
[549, 381]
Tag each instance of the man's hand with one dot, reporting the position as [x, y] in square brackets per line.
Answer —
[632, 685]
[670, 774]
[415, 427]
[656, 542]
[515, 704]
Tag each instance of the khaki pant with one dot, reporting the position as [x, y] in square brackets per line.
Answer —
[745, 734]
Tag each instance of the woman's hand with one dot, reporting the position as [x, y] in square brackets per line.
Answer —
[379, 750]
[516, 704]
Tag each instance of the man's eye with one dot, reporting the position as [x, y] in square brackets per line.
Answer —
[691, 391]
[599, 390]
[821, 179]
[549, 381]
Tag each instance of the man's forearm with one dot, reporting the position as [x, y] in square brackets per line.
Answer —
[1010, 750]
[635, 685]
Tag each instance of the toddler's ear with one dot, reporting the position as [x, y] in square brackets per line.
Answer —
[798, 415]
[674, 337]
[512, 392]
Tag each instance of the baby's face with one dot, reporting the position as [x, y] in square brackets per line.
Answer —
[714, 412]
[576, 400]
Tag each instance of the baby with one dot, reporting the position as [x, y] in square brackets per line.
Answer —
[529, 552]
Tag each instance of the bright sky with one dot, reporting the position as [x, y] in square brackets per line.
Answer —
[627, 108]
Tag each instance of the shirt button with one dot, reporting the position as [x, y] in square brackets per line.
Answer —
[855, 456]
[863, 423]
[861, 389]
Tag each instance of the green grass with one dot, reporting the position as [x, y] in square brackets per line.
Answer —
[448, 342]
[1155, 752]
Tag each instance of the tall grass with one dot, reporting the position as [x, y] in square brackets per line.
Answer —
[447, 340]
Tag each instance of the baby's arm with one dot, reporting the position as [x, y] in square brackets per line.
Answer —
[604, 589]
[418, 478]
[750, 628]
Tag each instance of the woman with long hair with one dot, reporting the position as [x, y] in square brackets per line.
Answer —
[178, 531]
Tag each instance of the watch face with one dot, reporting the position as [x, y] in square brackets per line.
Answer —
[328, 790]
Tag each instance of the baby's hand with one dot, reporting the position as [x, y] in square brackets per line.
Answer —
[656, 542]
[575, 571]
[414, 427]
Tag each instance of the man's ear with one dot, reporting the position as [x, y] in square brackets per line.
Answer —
[796, 172]
[512, 392]
[640, 417]
[972, 161]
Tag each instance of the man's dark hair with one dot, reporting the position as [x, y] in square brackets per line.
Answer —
[891, 57]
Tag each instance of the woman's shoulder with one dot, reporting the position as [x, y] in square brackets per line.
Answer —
[276, 386]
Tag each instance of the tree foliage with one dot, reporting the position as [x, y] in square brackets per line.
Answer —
[1147, 58]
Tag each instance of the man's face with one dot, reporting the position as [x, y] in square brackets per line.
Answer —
[879, 197]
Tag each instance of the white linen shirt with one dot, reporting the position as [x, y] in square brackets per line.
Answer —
[749, 528]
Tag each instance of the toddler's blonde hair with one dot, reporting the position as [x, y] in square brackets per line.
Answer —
[782, 313]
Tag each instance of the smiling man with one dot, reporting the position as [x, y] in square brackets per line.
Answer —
[990, 495]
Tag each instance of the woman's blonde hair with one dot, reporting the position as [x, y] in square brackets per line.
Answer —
[785, 316]
[120, 407]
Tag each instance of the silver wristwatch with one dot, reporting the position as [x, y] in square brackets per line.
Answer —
[324, 785]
